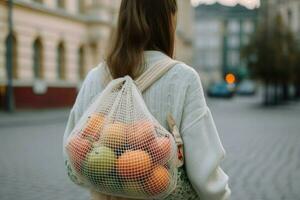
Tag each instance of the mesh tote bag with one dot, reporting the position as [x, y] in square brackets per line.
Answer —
[118, 148]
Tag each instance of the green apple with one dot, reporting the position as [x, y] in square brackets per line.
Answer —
[113, 184]
[133, 188]
[99, 163]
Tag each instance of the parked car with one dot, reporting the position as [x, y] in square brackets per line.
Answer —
[221, 90]
[246, 87]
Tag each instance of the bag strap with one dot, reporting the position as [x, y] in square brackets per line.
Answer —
[144, 81]
[153, 73]
[147, 78]
[178, 140]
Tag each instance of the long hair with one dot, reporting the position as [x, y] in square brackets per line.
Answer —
[142, 25]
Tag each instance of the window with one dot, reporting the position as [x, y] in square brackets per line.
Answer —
[61, 4]
[233, 58]
[233, 41]
[14, 54]
[81, 6]
[94, 52]
[61, 65]
[234, 26]
[81, 63]
[38, 59]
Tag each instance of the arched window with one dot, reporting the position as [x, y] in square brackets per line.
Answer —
[81, 6]
[94, 52]
[61, 4]
[14, 54]
[81, 62]
[61, 61]
[38, 58]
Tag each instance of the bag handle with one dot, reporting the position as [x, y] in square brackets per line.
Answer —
[147, 79]
[178, 140]
[153, 73]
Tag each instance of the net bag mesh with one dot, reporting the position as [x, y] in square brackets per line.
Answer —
[118, 148]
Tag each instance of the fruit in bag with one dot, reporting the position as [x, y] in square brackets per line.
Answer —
[134, 164]
[158, 181]
[133, 187]
[77, 149]
[140, 134]
[123, 150]
[93, 126]
[160, 150]
[99, 163]
[114, 135]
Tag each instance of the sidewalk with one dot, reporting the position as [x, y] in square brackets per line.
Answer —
[262, 146]
[33, 117]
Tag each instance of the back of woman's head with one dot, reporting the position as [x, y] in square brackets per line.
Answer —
[142, 25]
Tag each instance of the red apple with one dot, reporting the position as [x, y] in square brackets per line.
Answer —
[77, 149]
[160, 150]
[141, 134]
[93, 127]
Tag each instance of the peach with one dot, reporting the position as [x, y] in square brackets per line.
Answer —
[160, 150]
[93, 127]
[134, 164]
[114, 135]
[140, 134]
[158, 181]
[77, 149]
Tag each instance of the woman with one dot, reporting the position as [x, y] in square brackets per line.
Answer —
[146, 34]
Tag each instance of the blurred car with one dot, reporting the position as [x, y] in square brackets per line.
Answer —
[246, 88]
[221, 90]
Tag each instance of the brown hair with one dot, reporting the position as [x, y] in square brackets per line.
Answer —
[142, 25]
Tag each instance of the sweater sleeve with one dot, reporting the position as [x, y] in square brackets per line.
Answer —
[202, 146]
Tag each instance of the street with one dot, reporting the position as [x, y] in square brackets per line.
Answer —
[262, 145]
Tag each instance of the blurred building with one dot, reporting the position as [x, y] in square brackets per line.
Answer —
[221, 32]
[185, 32]
[56, 42]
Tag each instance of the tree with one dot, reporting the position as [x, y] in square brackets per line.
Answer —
[271, 57]
[296, 75]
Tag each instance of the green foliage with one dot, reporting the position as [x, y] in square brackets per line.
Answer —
[272, 53]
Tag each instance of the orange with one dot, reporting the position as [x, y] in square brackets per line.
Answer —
[77, 149]
[134, 164]
[114, 135]
[93, 126]
[140, 134]
[160, 150]
[158, 181]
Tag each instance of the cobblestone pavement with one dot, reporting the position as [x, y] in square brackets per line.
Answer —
[263, 149]
[263, 152]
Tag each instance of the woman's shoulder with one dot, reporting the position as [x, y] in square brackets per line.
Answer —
[93, 73]
[96, 75]
[185, 73]
[181, 72]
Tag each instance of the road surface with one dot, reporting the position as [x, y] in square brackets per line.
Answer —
[262, 145]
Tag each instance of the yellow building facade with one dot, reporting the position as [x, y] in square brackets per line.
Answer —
[56, 42]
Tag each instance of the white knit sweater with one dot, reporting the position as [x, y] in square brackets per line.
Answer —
[180, 93]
